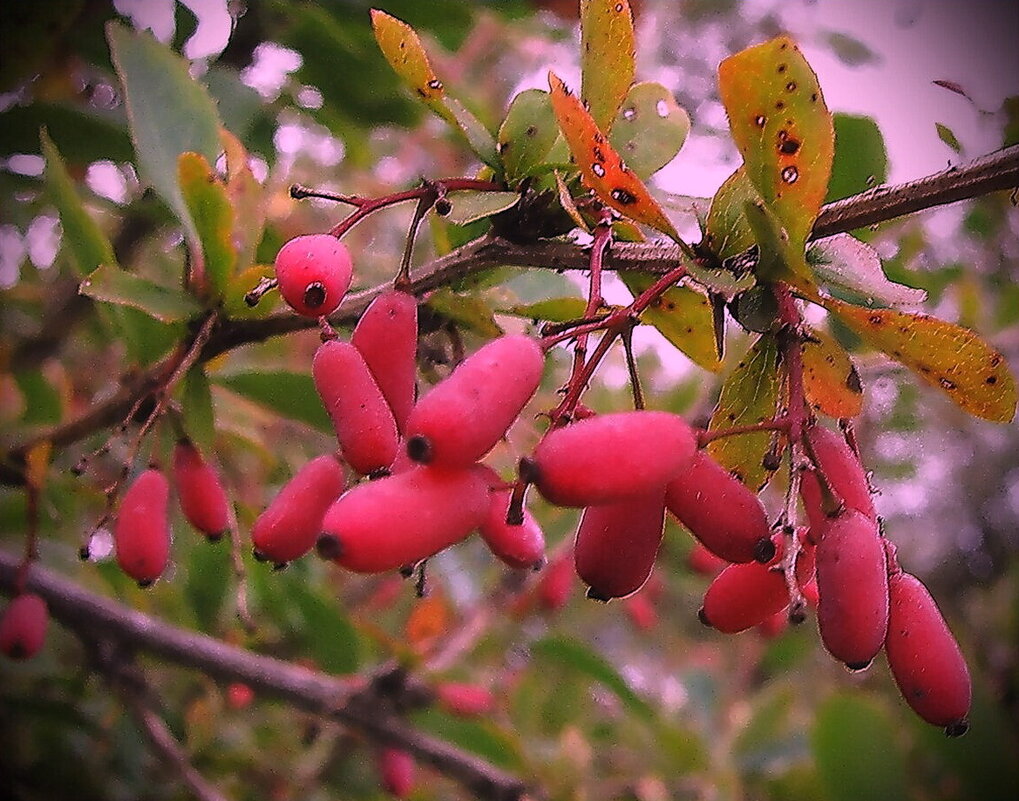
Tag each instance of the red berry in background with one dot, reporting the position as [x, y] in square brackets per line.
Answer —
[465, 700]
[520, 546]
[404, 518]
[852, 587]
[23, 626]
[364, 424]
[387, 338]
[610, 457]
[641, 611]
[719, 510]
[556, 582]
[744, 595]
[314, 273]
[396, 770]
[924, 657]
[142, 530]
[775, 624]
[701, 560]
[287, 530]
[463, 417]
[844, 472]
[239, 695]
[617, 545]
[202, 497]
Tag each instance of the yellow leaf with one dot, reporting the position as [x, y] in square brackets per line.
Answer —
[947, 356]
[830, 379]
[402, 48]
[37, 462]
[606, 57]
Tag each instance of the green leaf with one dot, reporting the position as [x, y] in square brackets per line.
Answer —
[113, 285]
[830, 379]
[749, 395]
[196, 403]
[577, 656]
[329, 638]
[206, 198]
[42, 401]
[467, 310]
[861, 160]
[528, 133]
[481, 737]
[292, 394]
[89, 247]
[478, 137]
[553, 310]
[853, 270]
[778, 257]
[947, 356]
[468, 206]
[208, 580]
[169, 114]
[650, 128]
[683, 316]
[856, 750]
[782, 128]
[946, 135]
[607, 57]
[81, 135]
[728, 232]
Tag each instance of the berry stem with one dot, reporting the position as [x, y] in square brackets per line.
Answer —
[774, 424]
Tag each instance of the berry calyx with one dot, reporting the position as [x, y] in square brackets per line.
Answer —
[314, 273]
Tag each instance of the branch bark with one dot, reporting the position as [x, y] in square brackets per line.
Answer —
[95, 619]
[993, 172]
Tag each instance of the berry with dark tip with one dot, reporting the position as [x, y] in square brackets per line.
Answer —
[844, 474]
[23, 626]
[142, 531]
[314, 273]
[200, 491]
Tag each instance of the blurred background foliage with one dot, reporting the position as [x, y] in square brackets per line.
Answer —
[595, 702]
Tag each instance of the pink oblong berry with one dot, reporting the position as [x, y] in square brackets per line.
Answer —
[361, 418]
[462, 417]
[200, 491]
[719, 510]
[404, 518]
[387, 338]
[396, 770]
[842, 469]
[142, 531]
[610, 457]
[556, 582]
[925, 659]
[314, 272]
[519, 546]
[288, 528]
[617, 544]
[465, 700]
[852, 588]
[23, 626]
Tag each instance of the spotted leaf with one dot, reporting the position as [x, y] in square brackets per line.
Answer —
[403, 50]
[830, 379]
[650, 128]
[528, 133]
[947, 356]
[607, 62]
[600, 166]
[783, 129]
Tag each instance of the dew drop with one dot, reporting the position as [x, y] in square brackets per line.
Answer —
[790, 174]
[662, 108]
[598, 170]
[435, 83]
[629, 113]
[759, 120]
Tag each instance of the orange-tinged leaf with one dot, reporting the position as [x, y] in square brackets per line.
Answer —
[952, 358]
[37, 462]
[402, 48]
[783, 129]
[749, 395]
[429, 619]
[830, 379]
[600, 166]
[247, 198]
[607, 62]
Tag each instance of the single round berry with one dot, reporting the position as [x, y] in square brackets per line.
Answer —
[314, 272]
[23, 626]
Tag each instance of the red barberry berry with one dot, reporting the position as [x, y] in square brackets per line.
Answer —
[396, 770]
[387, 337]
[23, 626]
[925, 658]
[239, 695]
[617, 545]
[701, 560]
[462, 417]
[610, 457]
[142, 530]
[288, 528]
[465, 700]
[314, 273]
[364, 424]
[202, 497]
[852, 587]
[641, 611]
[556, 583]
[719, 510]
[519, 546]
[844, 474]
[404, 518]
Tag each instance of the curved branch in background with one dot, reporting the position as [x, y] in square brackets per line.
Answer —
[993, 172]
[94, 618]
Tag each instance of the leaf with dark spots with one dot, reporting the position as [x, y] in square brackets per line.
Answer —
[607, 62]
[830, 379]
